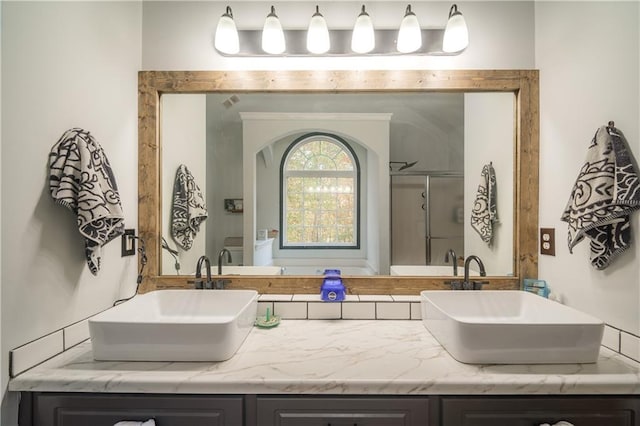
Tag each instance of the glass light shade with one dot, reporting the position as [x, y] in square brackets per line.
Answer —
[318, 34]
[272, 34]
[226, 39]
[410, 35]
[456, 34]
[363, 37]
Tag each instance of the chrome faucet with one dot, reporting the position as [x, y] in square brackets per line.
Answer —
[450, 254]
[220, 256]
[467, 284]
[208, 284]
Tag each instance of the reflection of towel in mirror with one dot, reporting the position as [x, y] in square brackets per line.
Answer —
[604, 195]
[150, 422]
[484, 214]
[189, 208]
[81, 179]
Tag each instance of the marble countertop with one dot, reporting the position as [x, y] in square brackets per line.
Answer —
[331, 357]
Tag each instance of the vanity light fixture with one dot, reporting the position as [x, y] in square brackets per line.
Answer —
[449, 40]
[363, 38]
[456, 34]
[226, 39]
[410, 34]
[318, 34]
[272, 34]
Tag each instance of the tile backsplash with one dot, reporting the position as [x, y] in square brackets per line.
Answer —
[365, 307]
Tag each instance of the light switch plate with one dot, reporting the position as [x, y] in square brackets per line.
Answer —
[128, 242]
[548, 241]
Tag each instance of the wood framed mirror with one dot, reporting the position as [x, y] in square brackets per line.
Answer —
[522, 83]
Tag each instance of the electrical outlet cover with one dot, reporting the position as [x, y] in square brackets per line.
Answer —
[548, 241]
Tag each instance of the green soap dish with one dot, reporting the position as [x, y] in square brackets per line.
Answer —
[267, 321]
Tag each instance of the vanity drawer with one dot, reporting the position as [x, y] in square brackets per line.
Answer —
[342, 411]
[64, 409]
[533, 411]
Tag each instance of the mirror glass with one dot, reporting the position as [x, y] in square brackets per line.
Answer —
[423, 160]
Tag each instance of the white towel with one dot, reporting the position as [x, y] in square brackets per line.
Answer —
[606, 192]
[560, 423]
[150, 422]
[189, 208]
[81, 179]
[484, 214]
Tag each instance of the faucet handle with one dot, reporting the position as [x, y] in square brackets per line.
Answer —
[455, 285]
[219, 284]
[477, 285]
[198, 283]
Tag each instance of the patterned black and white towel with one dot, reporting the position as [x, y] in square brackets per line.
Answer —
[189, 208]
[484, 214]
[81, 179]
[604, 195]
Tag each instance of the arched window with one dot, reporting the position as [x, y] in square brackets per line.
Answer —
[319, 194]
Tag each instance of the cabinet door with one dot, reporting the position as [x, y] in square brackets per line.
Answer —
[55, 409]
[533, 411]
[324, 411]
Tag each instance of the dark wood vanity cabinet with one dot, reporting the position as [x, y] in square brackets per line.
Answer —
[103, 409]
[533, 411]
[342, 411]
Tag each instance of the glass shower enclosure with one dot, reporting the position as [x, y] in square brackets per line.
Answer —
[427, 217]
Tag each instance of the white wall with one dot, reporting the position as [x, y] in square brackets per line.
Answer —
[488, 129]
[588, 56]
[179, 35]
[184, 137]
[63, 65]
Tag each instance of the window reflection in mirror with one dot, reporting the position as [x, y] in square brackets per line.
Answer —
[428, 139]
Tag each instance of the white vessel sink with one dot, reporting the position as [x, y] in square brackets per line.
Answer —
[247, 270]
[175, 325]
[510, 327]
[429, 270]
